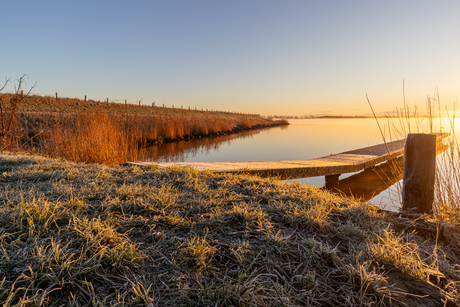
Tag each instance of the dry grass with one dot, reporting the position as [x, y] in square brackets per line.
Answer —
[446, 208]
[113, 133]
[48, 104]
[92, 235]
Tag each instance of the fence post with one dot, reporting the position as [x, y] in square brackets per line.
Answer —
[85, 97]
[56, 96]
[107, 100]
[419, 172]
[126, 102]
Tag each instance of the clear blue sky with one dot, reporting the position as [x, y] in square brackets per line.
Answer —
[260, 56]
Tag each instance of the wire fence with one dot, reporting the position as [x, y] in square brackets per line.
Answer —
[139, 103]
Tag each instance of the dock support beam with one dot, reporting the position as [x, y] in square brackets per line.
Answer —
[419, 173]
[332, 181]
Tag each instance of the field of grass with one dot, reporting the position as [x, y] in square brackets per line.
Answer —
[92, 235]
[48, 104]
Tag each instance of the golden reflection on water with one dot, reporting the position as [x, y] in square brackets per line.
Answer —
[302, 139]
[179, 151]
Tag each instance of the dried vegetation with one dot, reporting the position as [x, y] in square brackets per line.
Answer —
[110, 133]
[91, 235]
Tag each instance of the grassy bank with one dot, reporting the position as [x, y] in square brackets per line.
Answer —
[111, 133]
[91, 235]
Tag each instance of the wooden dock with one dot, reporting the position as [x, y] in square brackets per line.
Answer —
[330, 166]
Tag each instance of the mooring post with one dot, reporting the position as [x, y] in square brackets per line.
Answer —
[419, 173]
[332, 181]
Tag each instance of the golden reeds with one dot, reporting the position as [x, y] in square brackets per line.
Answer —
[95, 132]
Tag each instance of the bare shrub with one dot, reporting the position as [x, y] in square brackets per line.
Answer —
[9, 135]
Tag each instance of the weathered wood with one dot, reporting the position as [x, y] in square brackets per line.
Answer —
[332, 181]
[370, 182]
[346, 162]
[419, 173]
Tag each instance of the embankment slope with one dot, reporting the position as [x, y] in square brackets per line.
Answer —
[79, 234]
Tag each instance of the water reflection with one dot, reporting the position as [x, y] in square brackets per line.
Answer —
[372, 181]
[183, 150]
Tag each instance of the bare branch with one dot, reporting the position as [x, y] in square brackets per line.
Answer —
[8, 121]
[4, 85]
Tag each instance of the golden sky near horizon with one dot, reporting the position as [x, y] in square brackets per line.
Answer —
[268, 57]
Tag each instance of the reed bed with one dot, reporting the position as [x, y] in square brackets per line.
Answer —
[116, 138]
[93, 235]
[95, 132]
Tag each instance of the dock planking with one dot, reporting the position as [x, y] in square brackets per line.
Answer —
[330, 166]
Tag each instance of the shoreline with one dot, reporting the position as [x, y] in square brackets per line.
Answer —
[235, 130]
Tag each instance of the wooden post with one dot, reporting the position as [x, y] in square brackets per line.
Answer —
[56, 96]
[85, 97]
[419, 173]
[126, 102]
[332, 181]
[107, 100]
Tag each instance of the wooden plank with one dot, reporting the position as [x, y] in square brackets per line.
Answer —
[345, 162]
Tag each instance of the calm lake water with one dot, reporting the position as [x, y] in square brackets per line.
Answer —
[303, 139]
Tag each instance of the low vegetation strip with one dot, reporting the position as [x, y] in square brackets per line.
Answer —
[110, 133]
[92, 235]
[48, 104]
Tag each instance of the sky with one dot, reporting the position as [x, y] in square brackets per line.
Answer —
[253, 56]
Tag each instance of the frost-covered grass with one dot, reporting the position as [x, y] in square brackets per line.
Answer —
[92, 235]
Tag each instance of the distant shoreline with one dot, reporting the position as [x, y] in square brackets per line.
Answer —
[349, 117]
